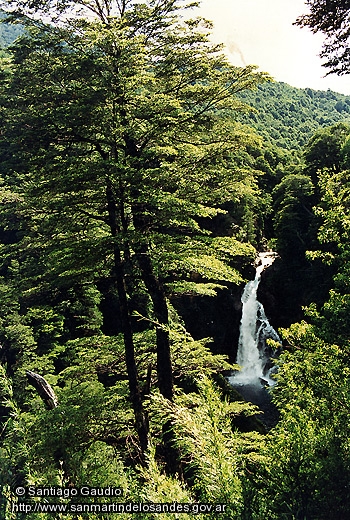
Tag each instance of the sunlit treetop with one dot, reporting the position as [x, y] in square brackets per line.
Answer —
[104, 10]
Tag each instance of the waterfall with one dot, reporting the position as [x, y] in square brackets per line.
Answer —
[253, 353]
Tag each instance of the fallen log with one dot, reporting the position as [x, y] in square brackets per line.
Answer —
[43, 388]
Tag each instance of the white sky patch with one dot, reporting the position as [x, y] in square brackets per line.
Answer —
[261, 32]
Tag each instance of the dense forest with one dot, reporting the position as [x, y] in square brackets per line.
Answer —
[288, 117]
[141, 173]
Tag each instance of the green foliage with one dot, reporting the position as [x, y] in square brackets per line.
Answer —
[204, 289]
[215, 456]
[161, 489]
[293, 216]
[333, 233]
[191, 359]
[201, 264]
[309, 446]
[125, 145]
[138, 134]
[287, 116]
[328, 18]
[333, 207]
[211, 269]
[8, 32]
[324, 150]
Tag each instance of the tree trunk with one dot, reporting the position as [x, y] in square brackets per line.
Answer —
[164, 365]
[134, 387]
[156, 292]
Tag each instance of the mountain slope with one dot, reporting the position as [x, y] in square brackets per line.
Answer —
[8, 32]
[288, 116]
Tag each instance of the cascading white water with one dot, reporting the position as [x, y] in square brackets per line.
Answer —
[254, 330]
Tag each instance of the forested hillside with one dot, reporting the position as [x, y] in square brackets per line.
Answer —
[288, 116]
[8, 32]
[135, 196]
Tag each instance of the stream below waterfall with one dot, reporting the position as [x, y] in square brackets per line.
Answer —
[254, 352]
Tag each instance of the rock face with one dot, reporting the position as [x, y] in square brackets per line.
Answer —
[215, 317]
[289, 285]
[219, 317]
[280, 294]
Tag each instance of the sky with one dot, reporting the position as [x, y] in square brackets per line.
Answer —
[261, 32]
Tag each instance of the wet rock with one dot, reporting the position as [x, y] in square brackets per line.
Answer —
[215, 317]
